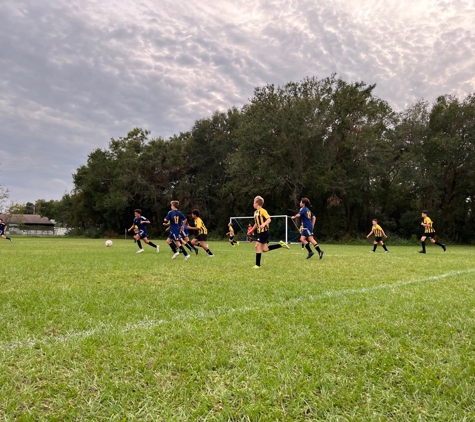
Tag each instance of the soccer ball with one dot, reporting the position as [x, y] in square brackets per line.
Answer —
[108, 243]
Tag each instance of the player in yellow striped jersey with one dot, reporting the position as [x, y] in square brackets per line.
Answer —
[378, 236]
[261, 224]
[202, 236]
[429, 232]
[230, 233]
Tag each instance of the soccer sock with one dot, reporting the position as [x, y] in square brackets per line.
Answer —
[8, 238]
[437, 243]
[258, 259]
[423, 246]
[172, 247]
[272, 247]
[317, 248]
[307, 246]
[303, 246]
[209, 252]
[192, 247]
[188, 245]
[384, 247]
[139, 243]
[182, 250]
[374, 247]
[153, 245]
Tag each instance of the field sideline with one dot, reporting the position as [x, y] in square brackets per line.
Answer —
[96, 333]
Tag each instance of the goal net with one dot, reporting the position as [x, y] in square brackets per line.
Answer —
[282, 227]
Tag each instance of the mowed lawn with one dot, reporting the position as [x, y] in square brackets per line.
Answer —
[97, 334]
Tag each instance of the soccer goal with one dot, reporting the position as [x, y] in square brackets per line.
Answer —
[282, 227]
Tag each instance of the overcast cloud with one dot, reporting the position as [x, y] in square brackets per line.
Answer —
[74, 73]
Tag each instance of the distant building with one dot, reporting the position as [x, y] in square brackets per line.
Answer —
[28, 224]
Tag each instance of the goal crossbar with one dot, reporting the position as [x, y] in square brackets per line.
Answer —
[282, 227]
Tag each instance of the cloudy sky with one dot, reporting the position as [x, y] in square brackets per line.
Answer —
[74, 73]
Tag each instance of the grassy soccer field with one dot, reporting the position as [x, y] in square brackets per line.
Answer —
[96, 333]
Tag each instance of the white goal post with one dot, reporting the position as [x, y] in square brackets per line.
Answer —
[282, 227]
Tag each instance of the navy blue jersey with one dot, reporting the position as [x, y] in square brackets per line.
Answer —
[306, 218]
[139, 224]
[2, 228]
[176, 219]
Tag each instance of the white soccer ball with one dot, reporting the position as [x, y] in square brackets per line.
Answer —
[108, 243]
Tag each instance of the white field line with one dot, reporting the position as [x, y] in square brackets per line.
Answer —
[219, 312]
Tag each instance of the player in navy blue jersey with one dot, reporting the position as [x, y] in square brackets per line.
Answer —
[3, 229]
[139, 226]
[307, 221]
[176, 220]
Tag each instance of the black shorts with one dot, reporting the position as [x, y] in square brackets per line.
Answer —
[263, 237]
[202, 237]
[430, 235]
[231, 237]
[378, 239]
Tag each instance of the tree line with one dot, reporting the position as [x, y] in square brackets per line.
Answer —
[329, 140]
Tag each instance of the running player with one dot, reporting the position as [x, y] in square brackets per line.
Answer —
[307, 220]
[139, 226]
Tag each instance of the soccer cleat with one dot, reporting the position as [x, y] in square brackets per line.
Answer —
[211, 256]
[11, 240]
[310, 255]
[255, 267]
[283, 244]
[196, 251]
[443, 247]
[187, 256]
[175, 255]
[422, 251]
[237, 243]
[371, 251]
[386, 251]
[233, 246]
[320, 254]
[158, 249]
[140, 251]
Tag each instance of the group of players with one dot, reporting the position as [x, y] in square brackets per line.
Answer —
[178, 237]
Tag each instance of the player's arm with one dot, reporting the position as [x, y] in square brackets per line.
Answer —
[314, 219]
[131, 227]
[384, 234]
[265, 223]
[369, 234]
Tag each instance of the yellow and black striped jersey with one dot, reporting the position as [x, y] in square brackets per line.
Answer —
[428, 228]
[231, 231]
[260, 217]
[377, 230]
[200, 226]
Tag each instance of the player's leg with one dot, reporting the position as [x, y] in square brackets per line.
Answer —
[315, 245]
[423, 243]
[139, 243]
[435, 240]
[306, 245]
[384, 246]
[258, 248]
[179, 245]
[150, 243]
[202, 238]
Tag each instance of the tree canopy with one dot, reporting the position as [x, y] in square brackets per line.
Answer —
[329, 140]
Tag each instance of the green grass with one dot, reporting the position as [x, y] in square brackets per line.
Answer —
[95, 333]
